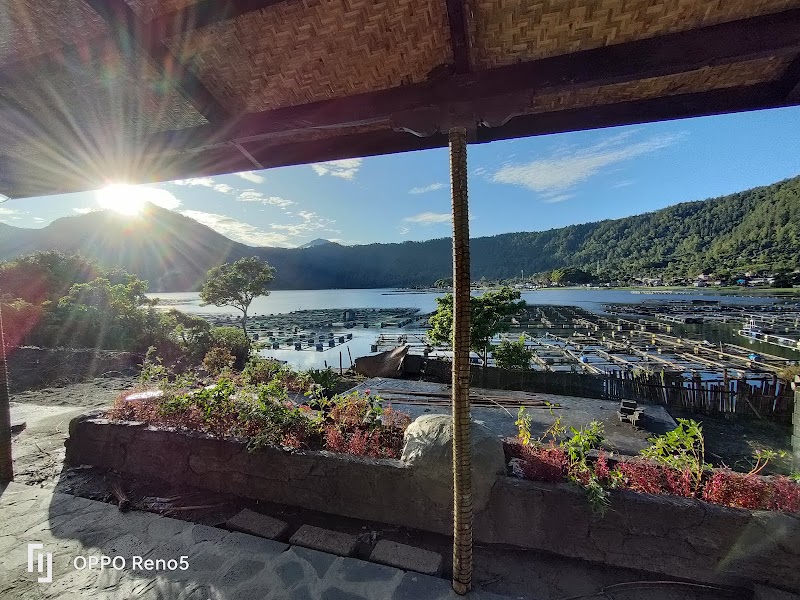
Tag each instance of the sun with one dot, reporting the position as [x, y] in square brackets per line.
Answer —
[125, 199]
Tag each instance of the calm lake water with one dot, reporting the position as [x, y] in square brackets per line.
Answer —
[285, 301]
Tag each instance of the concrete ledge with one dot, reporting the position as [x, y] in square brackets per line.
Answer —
[407, 558]
[660, 534]
[324, 540]
[248, 521]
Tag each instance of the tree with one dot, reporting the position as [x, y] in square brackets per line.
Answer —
[512, 355]
[237, 284]
[489, 316]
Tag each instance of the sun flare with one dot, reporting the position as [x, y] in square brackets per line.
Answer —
[122, 198]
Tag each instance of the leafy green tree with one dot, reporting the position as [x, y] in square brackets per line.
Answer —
[490, 315]
[237, 284]
[512, 355]
[43, 276]
[444, 282]
[234, 340]
[101, 314]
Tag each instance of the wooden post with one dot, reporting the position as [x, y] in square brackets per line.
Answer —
[796, 424]
[6, 463]
[462, 448]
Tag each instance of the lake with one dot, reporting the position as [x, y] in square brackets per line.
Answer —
[285, 301]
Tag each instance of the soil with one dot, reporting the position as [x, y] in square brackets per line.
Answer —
[733, 441]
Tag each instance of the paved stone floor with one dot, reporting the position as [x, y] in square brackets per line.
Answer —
[221, 564]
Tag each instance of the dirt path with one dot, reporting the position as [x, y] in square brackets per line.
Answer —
[38, 449]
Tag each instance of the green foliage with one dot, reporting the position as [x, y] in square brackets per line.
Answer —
[443, 283]
[581, 471]
[237, 284]
[234, 340]
[582, 441]
[490, 315]
[523, 424]
[325, 378]
[260, 370]
[102, 314]
[682, 449]
[45, 276]
[218, 361]
[513, 355]
[191, 334]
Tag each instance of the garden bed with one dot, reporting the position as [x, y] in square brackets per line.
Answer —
[675, 536]
[241, 433]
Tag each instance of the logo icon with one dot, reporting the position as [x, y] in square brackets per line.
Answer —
[40, 566]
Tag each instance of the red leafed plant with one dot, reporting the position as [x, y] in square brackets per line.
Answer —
[736, 489]
[641, 477]
[784, 495]
[541, 463]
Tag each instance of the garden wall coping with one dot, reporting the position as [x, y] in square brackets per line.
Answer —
[678, 537]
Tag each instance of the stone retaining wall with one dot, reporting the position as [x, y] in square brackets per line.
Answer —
[673, 536]
[30, 367]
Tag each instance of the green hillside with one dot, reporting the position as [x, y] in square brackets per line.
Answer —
[758, 229]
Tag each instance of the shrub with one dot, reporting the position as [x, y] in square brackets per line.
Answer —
[682, 449]
[260, 370]
[235, 340]
[325, 378]
[784, 495]
[736, 489]
[218, 361]
[513, 355]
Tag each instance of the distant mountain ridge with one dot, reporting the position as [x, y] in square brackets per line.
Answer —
[754, 229]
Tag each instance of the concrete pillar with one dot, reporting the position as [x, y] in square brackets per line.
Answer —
[462, 453]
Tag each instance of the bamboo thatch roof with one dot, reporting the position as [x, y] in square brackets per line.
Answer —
[146, 90]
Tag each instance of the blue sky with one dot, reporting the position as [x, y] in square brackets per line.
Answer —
[528, 184]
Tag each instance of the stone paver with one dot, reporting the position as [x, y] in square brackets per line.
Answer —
[220, 565]
[325, 540]
[407, 558]
[249, 521]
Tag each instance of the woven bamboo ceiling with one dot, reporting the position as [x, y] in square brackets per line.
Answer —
[93, 91]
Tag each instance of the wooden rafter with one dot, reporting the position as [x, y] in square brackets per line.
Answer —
[495, 95]
[229, 158]
[129, 33]
[459, 38]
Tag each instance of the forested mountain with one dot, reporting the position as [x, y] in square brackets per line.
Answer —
[756, 229]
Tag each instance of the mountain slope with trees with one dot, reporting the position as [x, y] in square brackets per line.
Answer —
[758, 229]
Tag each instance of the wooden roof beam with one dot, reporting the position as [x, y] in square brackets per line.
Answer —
[228, 158]
[662, 108]
[130, 34]
[511, 88]
[459, 37]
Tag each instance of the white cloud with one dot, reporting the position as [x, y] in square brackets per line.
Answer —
[311, 223]
[238, 230]
[552, 177]
[39, 219]
[251, 176]
[403, 230]
[159, 197]
[8, 211]
[429, 218]
[254, 196]
[222, 188]
[345, 169]
[202, 181]
[622, 184]
[428, 188]
[558, 198]
[83, 210]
